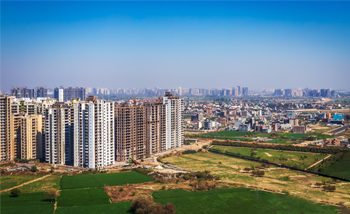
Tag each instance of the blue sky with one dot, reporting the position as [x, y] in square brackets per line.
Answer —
[175, 44]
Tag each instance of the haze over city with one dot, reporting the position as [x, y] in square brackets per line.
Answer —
[175, 44]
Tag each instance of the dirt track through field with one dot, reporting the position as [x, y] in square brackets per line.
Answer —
[38, 179]
[318, 162]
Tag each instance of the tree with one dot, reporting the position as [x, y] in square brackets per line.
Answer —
[34, 168]
[15, 192]
[52, 193]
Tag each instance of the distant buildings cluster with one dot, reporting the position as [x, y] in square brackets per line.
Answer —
[88, 133]
[298, 92]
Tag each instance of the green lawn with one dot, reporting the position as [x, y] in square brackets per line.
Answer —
[341, 168]
[26, 203]
[238, 200]
[233, 134]
[301, 159]
[99, 180]
[119, 208]
[9, 181]
[82, 197]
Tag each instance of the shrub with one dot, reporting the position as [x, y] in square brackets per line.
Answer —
[148, 156]
[329, 188]
[121, 189]
[52, 193]
[15, 192]
[34, 168]
[145, 205]
[163, 187]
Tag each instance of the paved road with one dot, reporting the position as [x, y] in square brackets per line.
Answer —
[339, 129]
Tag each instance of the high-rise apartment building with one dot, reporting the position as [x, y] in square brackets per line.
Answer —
[28, 136]
[66, 94]
[130, 131]
[173, 121]
[93, 144]
[6, 129]
[155, 127]
[244, 91]
[58, 146]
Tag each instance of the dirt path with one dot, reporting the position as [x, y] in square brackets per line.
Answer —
[5, 190]
[268, 154]
[318, 162]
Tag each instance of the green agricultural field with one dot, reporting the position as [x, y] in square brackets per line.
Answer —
[31, 203]
[119, 208]
[51, 181]
[235, 134]
[341, 168]
[9, 181]
[238, 200]
[82, 197]
[300, 159]
[99, 180]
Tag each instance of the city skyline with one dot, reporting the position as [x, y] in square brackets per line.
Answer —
[175, 44]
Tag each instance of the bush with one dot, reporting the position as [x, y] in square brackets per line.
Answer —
[258, 173]
[189, 152]
[15, 192]
[145, 205]
[330, 188]
[34, 168]
[121, 189]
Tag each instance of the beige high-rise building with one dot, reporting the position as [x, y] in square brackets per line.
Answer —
[130, 131]
[27, 136]
[6, 129]
[155, 127]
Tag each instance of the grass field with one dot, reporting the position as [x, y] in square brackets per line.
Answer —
[9, 181]
[26, 203]
[99, 180]
[274, 179]
[119, 208]
[82, 197]
[51, 181]
[237, 200]
[233, 134]
[341, 168]
[300, 159]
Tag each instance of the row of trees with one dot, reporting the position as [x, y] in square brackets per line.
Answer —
[327, 150]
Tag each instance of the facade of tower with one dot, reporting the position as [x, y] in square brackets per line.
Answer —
[28, 136]
[6, 129]
[58, 136]
[130, 131]
[173, 121]
[155, 127]
[93, 144]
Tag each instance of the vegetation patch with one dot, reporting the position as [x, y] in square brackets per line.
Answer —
[341, 168]
[9, 181]
[119, 208]
[241, 200]
[300, 160]
[81, 197]
[26, 203]
[100, 180]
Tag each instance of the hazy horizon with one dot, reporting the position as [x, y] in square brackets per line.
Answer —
[175, 44]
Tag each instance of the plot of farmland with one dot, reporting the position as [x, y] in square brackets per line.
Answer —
[237, 200]
[26, 204]
[300, 160]
[99, 180]
[81, 197]
[119, 208]
[341, 168]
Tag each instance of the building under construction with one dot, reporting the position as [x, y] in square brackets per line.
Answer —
[155, 127]
[130, 131]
